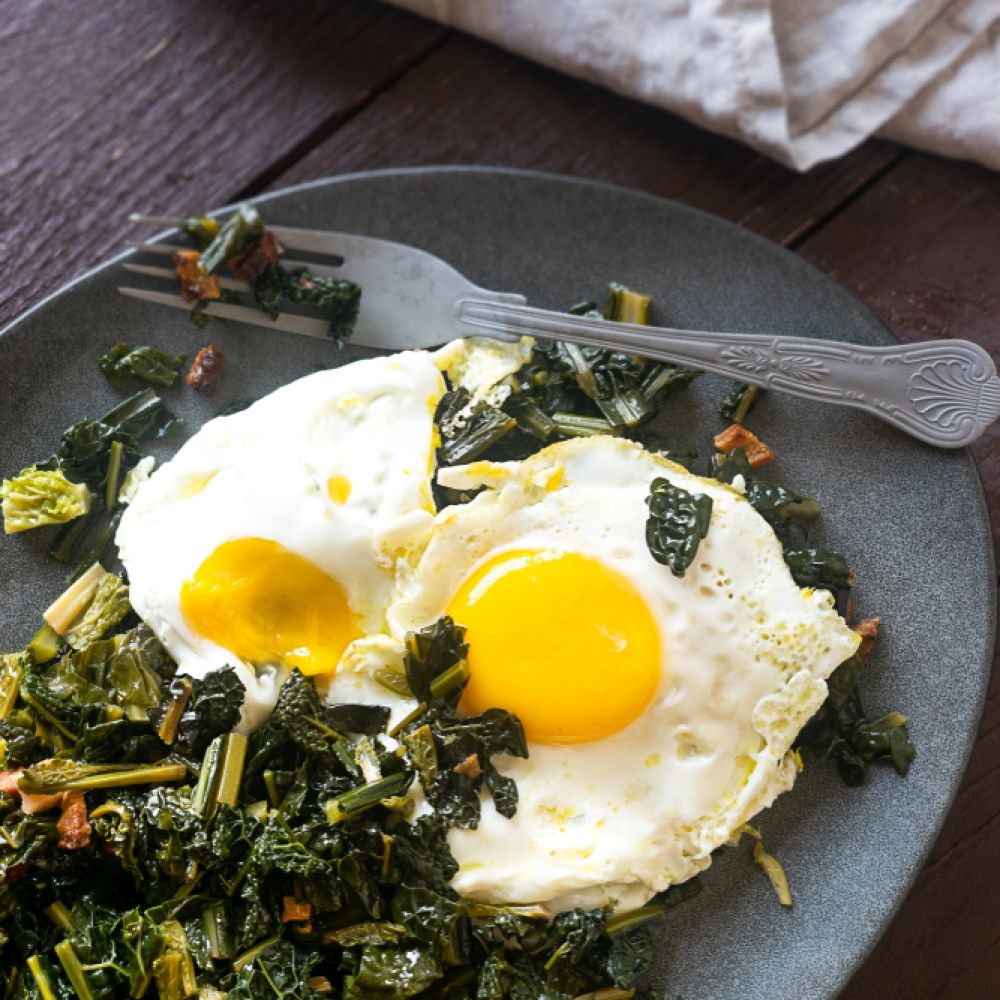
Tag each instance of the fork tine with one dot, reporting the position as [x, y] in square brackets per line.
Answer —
[157, 220]
[311, 240]
[304, 326]
[167, 250]
[165, 272]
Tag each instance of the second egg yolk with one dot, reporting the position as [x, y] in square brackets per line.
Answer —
[267, 604]
[559, 639]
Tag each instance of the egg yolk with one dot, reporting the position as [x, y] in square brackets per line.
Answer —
[267, 604]
[560, 640]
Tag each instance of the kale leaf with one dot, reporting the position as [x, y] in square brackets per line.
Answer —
[148, 364]
[677, 523]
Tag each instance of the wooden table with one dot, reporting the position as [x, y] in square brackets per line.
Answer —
[174, 106]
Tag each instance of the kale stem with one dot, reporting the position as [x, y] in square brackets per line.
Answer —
[626, 921]
[145, 774]
[41, 978]
[407, 719]
[357, 800]
[273, 794]
[172, 717]
[61, 917]
[252, 954]
[114, 472]
[234, 755]
[74, 972]
[10, 683]
[446, 682]
[576, 425]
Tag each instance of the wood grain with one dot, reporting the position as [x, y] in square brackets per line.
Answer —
[922, 248]
[167, 107]
[470, 103]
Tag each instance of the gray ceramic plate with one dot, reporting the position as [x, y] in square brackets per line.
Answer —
[912, 520]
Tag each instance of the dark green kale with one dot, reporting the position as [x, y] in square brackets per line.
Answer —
[819, 568]
[234, 237]
[677, 523]
[212, 707]
[366, 720]
[468, 428]
[100, 453]
[148, 364]
[668, 447]
[841, 731]
[737, 404]
[453, 753]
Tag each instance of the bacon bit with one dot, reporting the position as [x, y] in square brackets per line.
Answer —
[254, 262]
[469, 767]
[737, 436]
[867, 628]
[294, 910]
[74, 828]
[8, 782]
[207, 369]
[193, 284]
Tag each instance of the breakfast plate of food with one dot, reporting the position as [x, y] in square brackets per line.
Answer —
[498, 669]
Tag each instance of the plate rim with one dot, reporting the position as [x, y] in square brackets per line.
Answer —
[877, 931]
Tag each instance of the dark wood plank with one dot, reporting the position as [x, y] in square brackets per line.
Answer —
[922, 248]
[167, 107]
[470, 103]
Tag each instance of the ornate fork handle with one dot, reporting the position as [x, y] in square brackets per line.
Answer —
[945, 393]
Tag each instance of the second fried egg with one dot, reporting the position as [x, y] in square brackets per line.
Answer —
[659, 711]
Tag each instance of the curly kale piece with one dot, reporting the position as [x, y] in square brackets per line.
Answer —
[148, 364]
[366, 720]
[451, 753]
[668, 447]
[212, 709]
[737, 404]
[841, 730]
[20, 747]
[337, 299]
[677, 523]
[109, 605]
[819, 568]
[38, 497]
[279, 972]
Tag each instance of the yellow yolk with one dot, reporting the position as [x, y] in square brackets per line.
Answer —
[338, 488]
[560, 640]
[267, 604]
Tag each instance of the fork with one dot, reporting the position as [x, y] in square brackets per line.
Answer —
[944, 393]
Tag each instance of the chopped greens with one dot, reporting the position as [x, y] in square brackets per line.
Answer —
[78, 486]
[843, 732]
[253, 252]
[148, 364]
[206, 863]
[41, 496]
[738, 403]
[677, 523]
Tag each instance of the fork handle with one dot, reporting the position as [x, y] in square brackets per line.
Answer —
[945, 393]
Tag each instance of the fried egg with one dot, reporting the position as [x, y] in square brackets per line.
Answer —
[659, 711]
[270, 540]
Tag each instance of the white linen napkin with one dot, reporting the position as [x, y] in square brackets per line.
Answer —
[800, 80]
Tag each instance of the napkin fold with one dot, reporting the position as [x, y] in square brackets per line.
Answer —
[801, 80]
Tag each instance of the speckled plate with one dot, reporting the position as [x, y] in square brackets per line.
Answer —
[912, 520]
